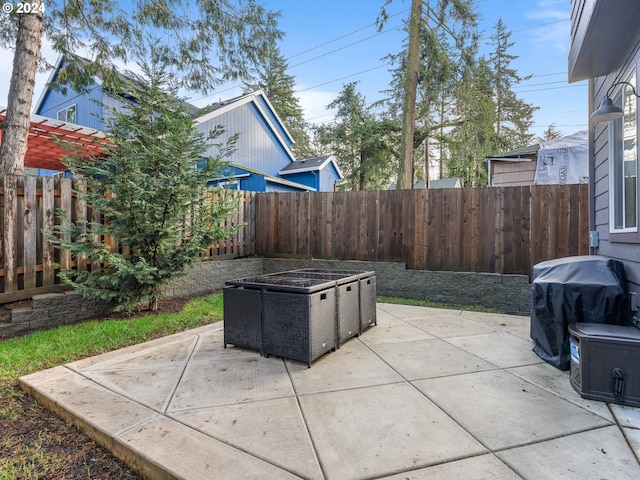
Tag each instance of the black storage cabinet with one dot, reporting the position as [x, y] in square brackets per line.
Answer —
[605, 362]
[585, 289]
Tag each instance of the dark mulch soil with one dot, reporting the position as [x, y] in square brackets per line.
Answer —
[63, 452]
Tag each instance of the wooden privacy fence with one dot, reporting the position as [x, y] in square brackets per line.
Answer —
[498, 230]
[28, 262]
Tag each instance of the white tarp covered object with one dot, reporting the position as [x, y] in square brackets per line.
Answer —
[563, 160]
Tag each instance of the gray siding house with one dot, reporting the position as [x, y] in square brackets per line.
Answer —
[605, 49]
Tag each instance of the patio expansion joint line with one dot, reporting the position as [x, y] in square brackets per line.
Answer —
[306, 423]
[551, 438]
[554, 393]
[409, 382]
[624, 435]
[172, 415]
[192, 350]
[405, 472]
[156, 413]
[431, 400]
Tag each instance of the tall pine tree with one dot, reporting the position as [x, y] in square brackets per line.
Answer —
[363, 144]
[447, 31]
[271, 77]
[475, 138]
[514, 116]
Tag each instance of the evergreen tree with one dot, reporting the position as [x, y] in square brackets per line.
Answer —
[206, 42]
[272, 78]
[475, 138]
[363, 144]
[513, 115]
[447, 32]
[151, 190]
[551, 133]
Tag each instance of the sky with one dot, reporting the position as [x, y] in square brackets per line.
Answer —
[333, 42]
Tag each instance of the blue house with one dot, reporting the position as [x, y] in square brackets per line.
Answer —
[262, 161]
[322, 173]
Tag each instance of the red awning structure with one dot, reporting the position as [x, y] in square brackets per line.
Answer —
[42, 150]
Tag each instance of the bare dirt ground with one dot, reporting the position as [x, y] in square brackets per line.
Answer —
[41, 446]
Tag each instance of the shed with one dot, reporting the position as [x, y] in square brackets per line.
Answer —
[513, 168]
[563, 160]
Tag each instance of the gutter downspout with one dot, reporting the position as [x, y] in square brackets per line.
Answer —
[592, 168]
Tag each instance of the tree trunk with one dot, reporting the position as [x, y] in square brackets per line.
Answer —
[427, 161]
[405, 170]
[15, 128]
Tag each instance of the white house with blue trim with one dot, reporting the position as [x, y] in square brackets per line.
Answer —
[262, 161]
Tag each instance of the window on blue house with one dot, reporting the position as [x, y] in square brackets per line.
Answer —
[624, 162]
[68, 114]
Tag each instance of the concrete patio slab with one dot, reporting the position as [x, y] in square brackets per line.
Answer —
[168, 449]
[633, 437]
[599, 453]
[504, 411]
[407, 399]
[546, 376]
[273, 430]
[241, 376]
[626, 416]
[503, 350]
[375, 431]
[352, 366]
[483, 467]
[429, 358]
[446, 325]
[392, 330]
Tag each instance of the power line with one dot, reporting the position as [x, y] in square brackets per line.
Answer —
[344, 47]
[373, 68]
[342, 36]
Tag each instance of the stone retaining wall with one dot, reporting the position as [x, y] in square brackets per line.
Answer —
[55, 309]
[504, 293]
[51, 310]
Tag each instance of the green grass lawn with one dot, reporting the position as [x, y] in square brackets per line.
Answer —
[428, 303]
[35, 444]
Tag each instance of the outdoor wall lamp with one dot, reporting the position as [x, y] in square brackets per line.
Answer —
[607, 111]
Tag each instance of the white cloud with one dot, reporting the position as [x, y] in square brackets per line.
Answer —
[548, 10]
[314, 103]
[6, 68]
[555, 34]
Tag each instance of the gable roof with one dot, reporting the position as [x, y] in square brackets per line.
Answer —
[132, 83]
[216, 109]
[44, 152]
[267, 177]
[525, 154]
[311, 164]
[453, 182]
